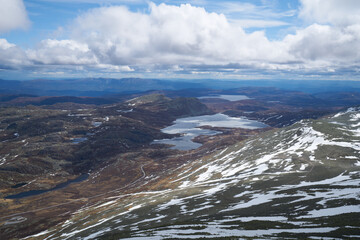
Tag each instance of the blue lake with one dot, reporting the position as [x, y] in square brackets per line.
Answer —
[190, 128]
[37, 192]
[79, 140]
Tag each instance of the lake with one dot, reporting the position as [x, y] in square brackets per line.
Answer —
[37, 192]
[227, 97]
[79, 140]
[189, 128]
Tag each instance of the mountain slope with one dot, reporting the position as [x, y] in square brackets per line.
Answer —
[302, 181]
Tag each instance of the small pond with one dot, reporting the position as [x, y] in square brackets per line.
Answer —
[37, 192]
[79, 140]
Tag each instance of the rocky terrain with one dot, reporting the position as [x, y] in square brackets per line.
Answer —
[297, 182]
[43, 149]
[84, 168]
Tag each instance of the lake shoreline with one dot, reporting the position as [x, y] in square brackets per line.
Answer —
[192, 127]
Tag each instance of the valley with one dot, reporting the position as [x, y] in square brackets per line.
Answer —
[73, 170]
[283, 183]
[173, 120]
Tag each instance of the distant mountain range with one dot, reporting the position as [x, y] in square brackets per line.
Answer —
[94, 87]
[90, 86]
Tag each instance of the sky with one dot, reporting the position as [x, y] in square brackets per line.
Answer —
[196, 39]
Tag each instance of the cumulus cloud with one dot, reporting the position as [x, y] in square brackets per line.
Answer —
[338, 13]
[323, 42]
[13, 15]
[113, 68]
[170, 35]
[61, 52]
[188, 39]
[333, 37]
[11, 55]
[187, 35]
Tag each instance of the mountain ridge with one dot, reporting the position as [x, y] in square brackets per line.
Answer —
[301, 181]
[90, 86]
[95, 87]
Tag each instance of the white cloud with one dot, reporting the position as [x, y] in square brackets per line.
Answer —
[11, 56]
[113, 68]
[326, 43]
[333, 38]
[4, 44]
[170, 35]
[257, 23]
[336, 12]
[185, 39]
[61, 52]
[13, 15]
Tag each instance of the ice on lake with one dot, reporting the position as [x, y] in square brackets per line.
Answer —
[227, 97]
[190, 128]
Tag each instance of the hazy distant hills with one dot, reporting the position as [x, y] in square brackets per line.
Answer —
[90, 86]
[94, 87]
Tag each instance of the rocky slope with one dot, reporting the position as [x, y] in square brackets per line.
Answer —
[42, 150]
[302, 181]
[37, 140]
